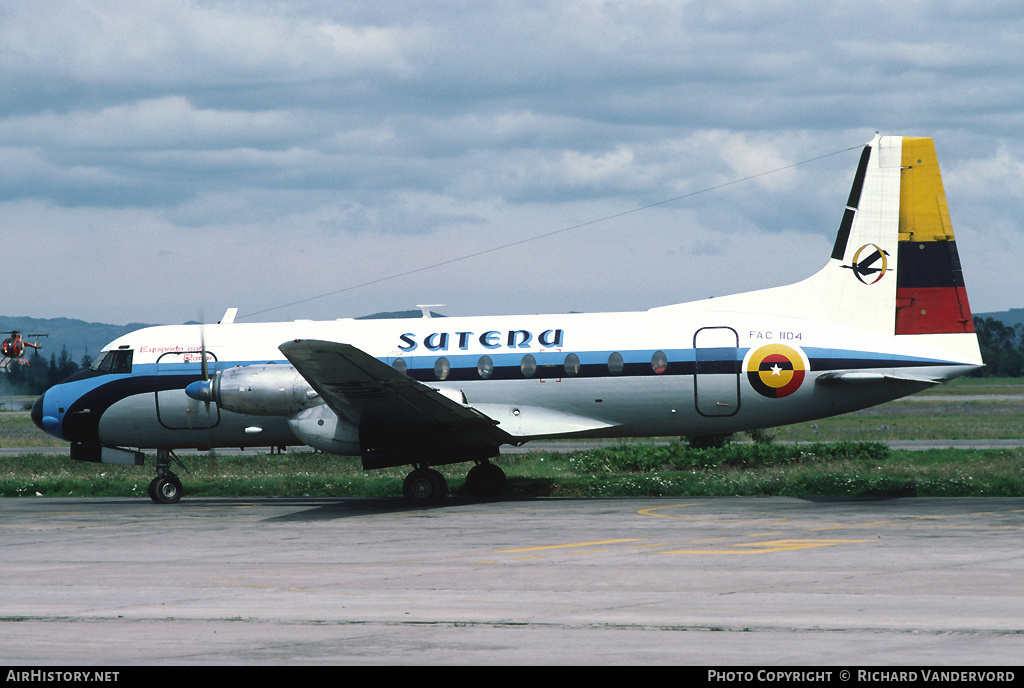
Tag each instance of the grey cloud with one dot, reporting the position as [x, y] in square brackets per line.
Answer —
[479, 122]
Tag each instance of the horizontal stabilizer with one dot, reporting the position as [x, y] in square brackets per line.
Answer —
[859, 378]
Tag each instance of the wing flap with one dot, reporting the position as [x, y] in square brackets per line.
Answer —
[397, 414]
[372, 395]
[526, 422]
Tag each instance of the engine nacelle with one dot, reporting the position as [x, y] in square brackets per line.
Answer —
[258, 390]
[320, 428]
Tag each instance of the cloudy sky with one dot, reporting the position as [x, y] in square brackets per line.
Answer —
[162, 161]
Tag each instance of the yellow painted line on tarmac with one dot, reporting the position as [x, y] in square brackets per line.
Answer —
[766, 547]
[650, 512]
[566, 546]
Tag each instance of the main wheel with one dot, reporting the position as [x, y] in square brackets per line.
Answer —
[485, 480]
[165, 489]
[424, 487]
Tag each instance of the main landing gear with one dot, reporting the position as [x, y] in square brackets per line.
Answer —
[424, 487]
[427, 487]
[485, 480]
[166, 486]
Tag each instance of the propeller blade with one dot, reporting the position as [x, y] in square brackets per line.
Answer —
[202, 352]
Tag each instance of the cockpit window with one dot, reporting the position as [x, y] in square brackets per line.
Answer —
[117, 361]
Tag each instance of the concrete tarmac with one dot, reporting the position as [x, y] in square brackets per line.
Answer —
[705, 581]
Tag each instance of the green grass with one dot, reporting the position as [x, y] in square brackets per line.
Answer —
[210, 475]
[818, 470]
[17, 430]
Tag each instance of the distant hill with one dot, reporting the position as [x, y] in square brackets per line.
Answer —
[1014, 316]
[77, 335]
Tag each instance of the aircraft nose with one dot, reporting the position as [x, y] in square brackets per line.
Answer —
[37, 412]
[47, 424]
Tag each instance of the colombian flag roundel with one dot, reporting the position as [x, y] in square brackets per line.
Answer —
[775, 370]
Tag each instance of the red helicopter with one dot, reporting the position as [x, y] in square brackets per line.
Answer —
[13, 348]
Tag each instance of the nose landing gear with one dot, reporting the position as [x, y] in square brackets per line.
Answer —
[166, 486]
[165, 489]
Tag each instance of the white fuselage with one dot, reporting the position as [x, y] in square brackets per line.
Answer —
[597, 375]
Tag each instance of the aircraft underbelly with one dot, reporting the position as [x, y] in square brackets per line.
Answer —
[683, 405]
[615, 407]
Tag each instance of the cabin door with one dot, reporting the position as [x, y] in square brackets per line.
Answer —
[716, 377]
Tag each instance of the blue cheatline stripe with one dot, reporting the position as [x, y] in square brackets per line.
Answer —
[594, 364]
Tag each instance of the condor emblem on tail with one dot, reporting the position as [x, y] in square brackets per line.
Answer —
[873, 266]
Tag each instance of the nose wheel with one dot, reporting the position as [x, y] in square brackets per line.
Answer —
[165, 489]
[166, 486]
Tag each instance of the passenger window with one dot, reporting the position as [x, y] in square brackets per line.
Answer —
[659, 362]
[485, 367]
[615, 364]
[441, 368]
[572, 365]
[529, 365]
[400, 365]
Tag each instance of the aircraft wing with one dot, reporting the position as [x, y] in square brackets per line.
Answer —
[388, 406]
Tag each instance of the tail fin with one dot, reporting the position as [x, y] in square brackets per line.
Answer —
[896, 238]
[894, 269]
